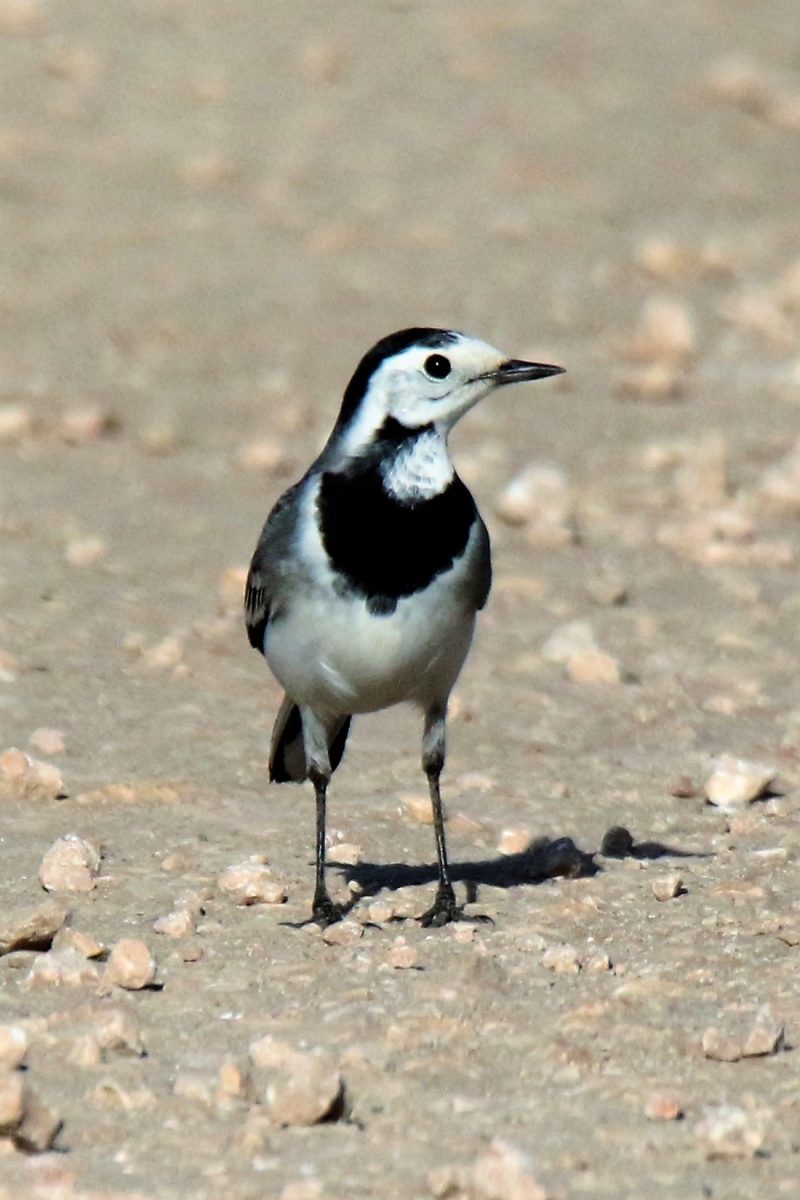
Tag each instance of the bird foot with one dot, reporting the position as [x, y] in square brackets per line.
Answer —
[443, 910]
[324, 912]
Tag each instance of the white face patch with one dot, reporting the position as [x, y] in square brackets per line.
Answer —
[401, 388]
[420, 470]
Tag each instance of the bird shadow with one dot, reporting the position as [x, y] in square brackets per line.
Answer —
[545, 858]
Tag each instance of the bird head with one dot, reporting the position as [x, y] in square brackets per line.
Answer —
[423, 378]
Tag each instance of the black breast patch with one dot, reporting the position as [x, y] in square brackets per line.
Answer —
[385, 548]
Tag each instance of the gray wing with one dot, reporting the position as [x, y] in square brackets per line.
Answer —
[480, 575]
[268, 566]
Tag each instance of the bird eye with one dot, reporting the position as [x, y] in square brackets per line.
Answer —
[437, 366]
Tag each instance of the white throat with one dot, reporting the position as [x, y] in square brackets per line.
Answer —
[420, 470]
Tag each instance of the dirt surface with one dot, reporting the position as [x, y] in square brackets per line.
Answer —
[209, 212]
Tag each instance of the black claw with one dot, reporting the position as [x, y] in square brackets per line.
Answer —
[443, 910]
[325, 912]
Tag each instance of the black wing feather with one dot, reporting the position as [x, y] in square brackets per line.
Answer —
[268, 564]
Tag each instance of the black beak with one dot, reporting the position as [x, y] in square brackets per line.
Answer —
[518, 371]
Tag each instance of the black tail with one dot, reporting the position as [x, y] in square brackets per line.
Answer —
[287, 756]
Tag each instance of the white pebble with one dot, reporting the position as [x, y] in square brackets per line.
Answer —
[345, 852]
[130, 965]
[308, 1091]
[735, 782]
[251, 883]
[29, 778]
[667, 887]
[13, 1046]
[15, 423]
[563, 959]
[70, 865]
[730, 1132]
[84, 551]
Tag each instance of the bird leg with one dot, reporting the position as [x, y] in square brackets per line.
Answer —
[444, 908]
[323, 910]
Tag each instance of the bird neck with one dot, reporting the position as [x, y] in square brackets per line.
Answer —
[415, 465]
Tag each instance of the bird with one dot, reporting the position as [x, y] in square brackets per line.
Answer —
[369, 573]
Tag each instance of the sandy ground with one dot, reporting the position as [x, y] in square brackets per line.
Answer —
[209, 212]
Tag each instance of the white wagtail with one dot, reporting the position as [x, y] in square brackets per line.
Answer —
[369, 572]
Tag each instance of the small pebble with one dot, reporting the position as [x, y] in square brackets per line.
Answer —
[9, 667]
[321, 62]
[538, 498]
[30, 779]
[130, 965]
[417, 809]
[380, 911]
[174, 862]
[675, 262]
[159, 439]
[665, 333]
[251, 883]
[765, 1036]
[345, 852]
[39, 1126]
[301, 1189]
[117, 1030]
[231, 589]
[514, 840]
[47, 741]
[31, 928]
[13, 1047]
[667, 887]
[165, 654]
[654, 381]
[735, 782]
[608, 588]
[593, 667]
[12, 1100]
[737, 81]
[62, 967]
[85, 551]
[722, 1049]
[234, 1083]
[731, 1132]
[70, 865]
[265, 457]
[309, 1091]
[176, 924]
[575, 637]
[84, 943]
[682, 788]
[85, 1051]
[343, 933]
[16, 423]
[268, 1052]
[468, 826]
[86, 425]
[402, 957]
[463, 933]
[563, 959]
[111, 1094]
[758, 312]
[598, 963]
[503, 1173]
[663, 1106]
[198, 1088]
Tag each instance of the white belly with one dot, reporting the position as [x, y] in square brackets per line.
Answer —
[331, 654]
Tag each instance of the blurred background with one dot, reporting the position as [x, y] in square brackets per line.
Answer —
[201, 201]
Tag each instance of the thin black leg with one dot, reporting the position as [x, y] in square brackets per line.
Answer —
[444, 908]
[323, 910]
